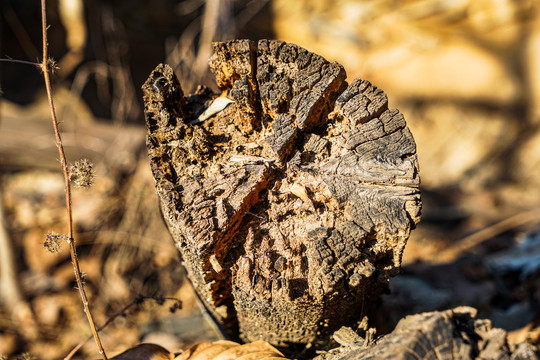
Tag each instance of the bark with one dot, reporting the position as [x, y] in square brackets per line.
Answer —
[450, 334]
[291, 206]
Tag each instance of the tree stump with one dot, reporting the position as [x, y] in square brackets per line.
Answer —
[290, 196]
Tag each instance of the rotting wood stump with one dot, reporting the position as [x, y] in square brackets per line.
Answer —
[290, 196]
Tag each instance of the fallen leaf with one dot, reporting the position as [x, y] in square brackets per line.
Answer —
[145, 352]
[228, 350]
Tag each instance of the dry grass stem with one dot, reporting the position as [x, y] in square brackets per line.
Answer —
[46, 68]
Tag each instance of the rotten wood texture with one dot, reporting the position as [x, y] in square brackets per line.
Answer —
[292, 205]
[449, 334]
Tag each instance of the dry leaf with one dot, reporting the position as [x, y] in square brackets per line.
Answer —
[145, 352]
[206, 350]
[228, 350]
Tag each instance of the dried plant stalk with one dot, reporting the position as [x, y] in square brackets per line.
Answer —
[46, 68]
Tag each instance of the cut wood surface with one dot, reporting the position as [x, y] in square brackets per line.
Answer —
[292, 204]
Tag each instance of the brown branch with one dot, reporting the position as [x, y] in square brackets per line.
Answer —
[63, 162]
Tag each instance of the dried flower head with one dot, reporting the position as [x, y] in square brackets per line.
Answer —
[52, 66]
[53, 241]
[82, 173]
[177, 305]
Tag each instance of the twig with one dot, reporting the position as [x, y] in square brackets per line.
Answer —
[21, 62]
[63, 162]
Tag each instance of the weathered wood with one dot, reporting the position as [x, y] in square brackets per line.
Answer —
[292, 206]
[450, 334]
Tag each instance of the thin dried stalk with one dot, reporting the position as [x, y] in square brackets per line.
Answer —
[20, 62]
[46, 76]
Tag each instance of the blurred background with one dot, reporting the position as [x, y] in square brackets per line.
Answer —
[466, 75]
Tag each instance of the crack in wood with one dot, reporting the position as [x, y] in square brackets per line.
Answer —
[290, 206]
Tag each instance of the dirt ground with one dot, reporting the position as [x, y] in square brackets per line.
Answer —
[466, 75]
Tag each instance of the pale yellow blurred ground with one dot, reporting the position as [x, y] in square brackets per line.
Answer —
[461, 71]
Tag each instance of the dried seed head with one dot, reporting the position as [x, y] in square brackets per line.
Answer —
[82, 173]
[176, 306]
[52, 66]
[53, 242]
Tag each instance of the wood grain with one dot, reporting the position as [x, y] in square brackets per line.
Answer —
[292, 206]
